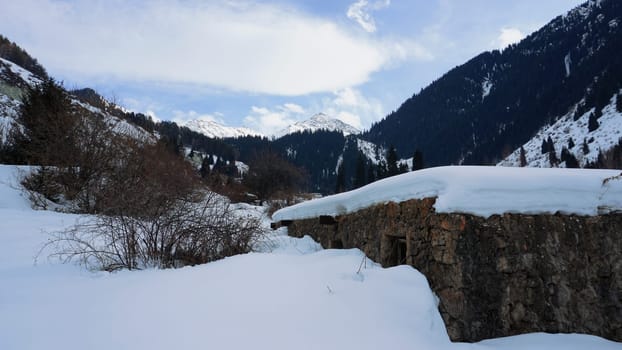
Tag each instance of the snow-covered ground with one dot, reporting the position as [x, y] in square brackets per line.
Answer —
[290, 294]
[480, 190]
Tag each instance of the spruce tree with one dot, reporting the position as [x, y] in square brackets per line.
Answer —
[592, 123]
[570, 143]
[341, 178]
[417, 160]
[392, 168]
[545, 146]
[619, 103]
[552, 153]
[371, 173]
[523, 157]
[359, 176]
[551, 147]
[569, 159]
[585, 147]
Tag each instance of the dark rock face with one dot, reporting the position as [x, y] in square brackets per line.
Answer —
[505, 275]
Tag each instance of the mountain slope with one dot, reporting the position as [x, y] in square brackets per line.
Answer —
[573, 136]
[497, 101]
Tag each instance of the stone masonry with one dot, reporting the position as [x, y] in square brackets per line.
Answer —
[504, 275]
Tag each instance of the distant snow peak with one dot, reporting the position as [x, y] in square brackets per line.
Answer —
[318, 122]
[214, 129]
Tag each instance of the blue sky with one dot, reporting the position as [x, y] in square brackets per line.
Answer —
[264, 64]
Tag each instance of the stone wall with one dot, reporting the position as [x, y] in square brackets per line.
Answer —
[505, 275]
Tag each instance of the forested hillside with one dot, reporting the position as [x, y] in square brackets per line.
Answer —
[481, 111]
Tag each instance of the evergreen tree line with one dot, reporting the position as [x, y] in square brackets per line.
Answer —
[366, 171]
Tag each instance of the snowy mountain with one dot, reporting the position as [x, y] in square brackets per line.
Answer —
[480, 111]
[14, 80]
[320, 121]
[214, 129]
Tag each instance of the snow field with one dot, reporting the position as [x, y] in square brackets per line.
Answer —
[290, 294]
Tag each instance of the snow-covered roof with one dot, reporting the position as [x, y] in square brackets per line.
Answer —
[480, 190]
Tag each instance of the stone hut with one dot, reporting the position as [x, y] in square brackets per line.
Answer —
[506, 250]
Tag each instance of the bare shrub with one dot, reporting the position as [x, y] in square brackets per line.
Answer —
[155, 212]
[272, 177]
[151, 208]
[188, 233]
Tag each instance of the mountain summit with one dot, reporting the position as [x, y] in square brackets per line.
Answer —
[320, 121]
[214, 129]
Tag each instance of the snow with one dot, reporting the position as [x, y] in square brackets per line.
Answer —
[214, 129]
[567, 62]
[242, 167]
[8, 113]
[290, 294]
[318, 122]
[486, 87]
[119, 126]
[371, 151]
[604, 138]
[24, 74]
[478, 190]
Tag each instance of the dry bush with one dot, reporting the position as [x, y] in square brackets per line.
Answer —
[155, 212]
[151, 208]
[272, 177]
[188, 233]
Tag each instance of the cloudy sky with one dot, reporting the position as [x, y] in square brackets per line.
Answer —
[264, 64]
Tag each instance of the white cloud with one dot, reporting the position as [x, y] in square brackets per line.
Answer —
[349, 118]
[236, 45]
[294, 108]
[360, 11]
[145, 106]
[270, 121]
[182, 117]
[351, 106]
[348, 105]
[508, 36]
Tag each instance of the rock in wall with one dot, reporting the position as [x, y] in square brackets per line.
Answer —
[504, 275]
